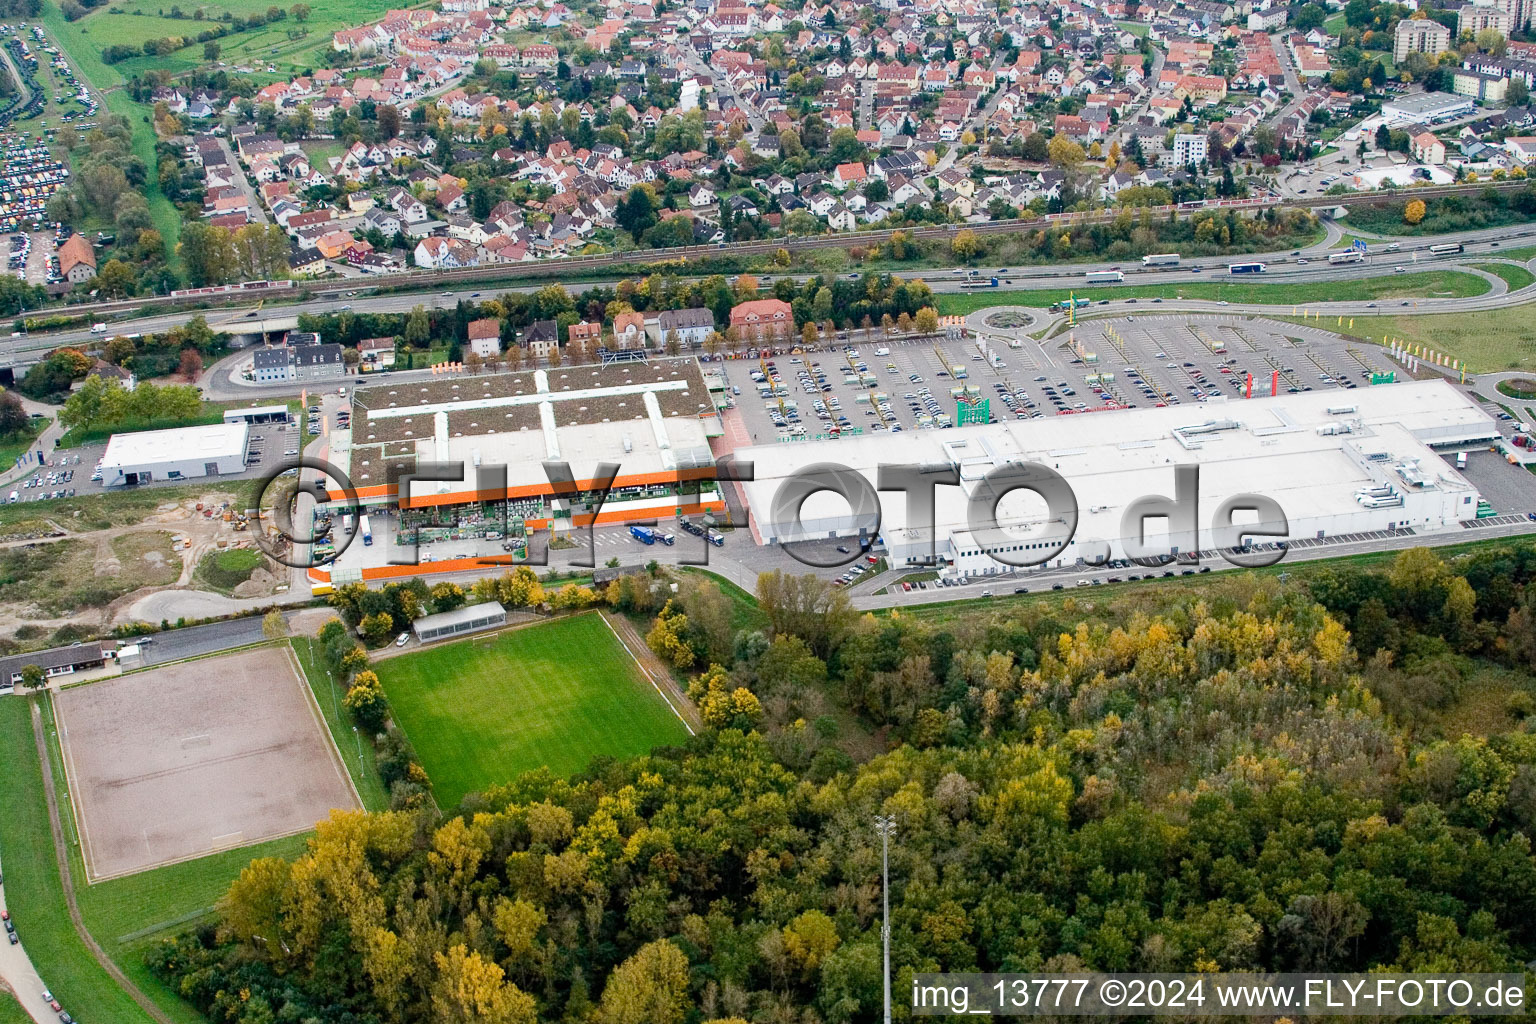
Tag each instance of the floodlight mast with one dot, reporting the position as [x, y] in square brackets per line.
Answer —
[885, 824]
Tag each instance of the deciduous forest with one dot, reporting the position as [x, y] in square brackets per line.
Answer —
[1336, 772]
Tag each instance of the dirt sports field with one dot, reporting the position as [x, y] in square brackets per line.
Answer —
[182, 761]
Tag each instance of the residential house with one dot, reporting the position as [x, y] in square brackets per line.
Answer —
[77, 260]
[376, 354]
[846, 175]
[689, 326]
[1428, 149]
[629, 331]
[485, 337]
[760, 320]
[541, 339]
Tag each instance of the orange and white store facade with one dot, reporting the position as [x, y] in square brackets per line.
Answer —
[530, 445]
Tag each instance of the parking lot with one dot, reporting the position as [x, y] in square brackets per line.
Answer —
[1509, 489]
[29, 176]
[33, 256]
[1163, 360]
[1100, 366]
[894, 385]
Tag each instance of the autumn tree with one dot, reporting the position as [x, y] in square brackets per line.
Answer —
[722, 704]
[365, 699]
[252, 909]
[668, 637]
[191, 364]
[710, 631]
[809, 939]
[1414, 212]
[1064, 152]
[376, 628]
[473, 990]
[273, 625]
[965, 245]
[520, 588]
[650, 987]
[446, 596]
[518, 924]
[805, 606]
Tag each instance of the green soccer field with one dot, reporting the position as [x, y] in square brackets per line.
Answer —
[480, 711]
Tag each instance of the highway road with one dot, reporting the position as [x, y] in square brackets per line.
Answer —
[465, 280]
[1283, 268]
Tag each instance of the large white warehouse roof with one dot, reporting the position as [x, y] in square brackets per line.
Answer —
[1311, 452]
[209, 443]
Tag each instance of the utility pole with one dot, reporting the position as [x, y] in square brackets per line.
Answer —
[885, 824]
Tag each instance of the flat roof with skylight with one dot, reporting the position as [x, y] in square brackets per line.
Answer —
[1312, 453]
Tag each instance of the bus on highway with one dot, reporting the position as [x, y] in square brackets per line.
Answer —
[1167, 259]
[1246, 268]
[1105, 277]
[1348, 256]
[1447, 249]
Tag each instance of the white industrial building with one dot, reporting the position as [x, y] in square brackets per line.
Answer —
[1336, 462]
[1425, 108]
[258, 414]
[180, 453]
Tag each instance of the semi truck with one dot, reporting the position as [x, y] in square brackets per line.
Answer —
[1165, 259]
[1057, 307]
[979, 282]
[717, 539]
[643, 534]
[364, 529]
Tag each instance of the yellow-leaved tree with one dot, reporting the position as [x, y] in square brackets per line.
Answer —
[650, 987]
[473, 990]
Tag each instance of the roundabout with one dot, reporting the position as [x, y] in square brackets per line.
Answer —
[1010, 318]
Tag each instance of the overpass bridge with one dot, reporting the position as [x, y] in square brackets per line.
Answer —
[255, 323]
